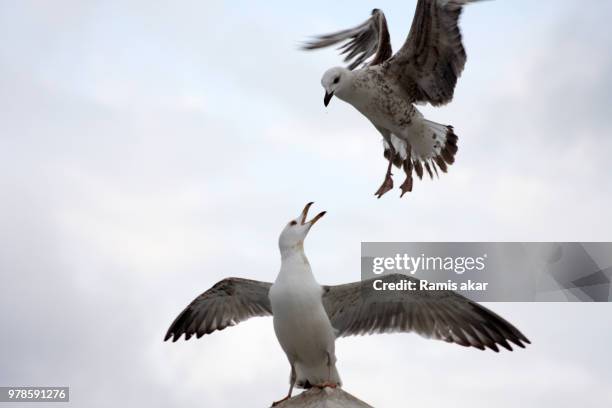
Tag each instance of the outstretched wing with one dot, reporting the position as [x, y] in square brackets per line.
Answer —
[229, 302]
[369, 38]
[357, 309]
[432, 58]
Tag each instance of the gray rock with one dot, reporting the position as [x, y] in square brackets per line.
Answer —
[324, 398]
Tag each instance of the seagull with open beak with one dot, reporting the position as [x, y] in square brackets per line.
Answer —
[301, 323]
[309, 317]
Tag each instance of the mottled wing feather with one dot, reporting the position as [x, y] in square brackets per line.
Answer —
[432, 58]
[229, 302]
[369, 38]
[357, 309]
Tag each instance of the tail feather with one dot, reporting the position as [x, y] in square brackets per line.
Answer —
[418, 167]
[428, 169]
[394, 157]
[435, 147]
[395, 151]
[435, 168]
[437, 144]
[441, 163]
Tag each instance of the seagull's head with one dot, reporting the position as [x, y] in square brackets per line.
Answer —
[295, 231]
[335, 81]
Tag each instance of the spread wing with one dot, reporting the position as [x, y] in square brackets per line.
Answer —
[357, 308]
[229, 302]
[369, 38]
[432, 58]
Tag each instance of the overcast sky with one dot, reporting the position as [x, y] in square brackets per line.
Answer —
[148, 149]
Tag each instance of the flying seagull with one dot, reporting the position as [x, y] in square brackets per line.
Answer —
[309, 317]
[386, 87]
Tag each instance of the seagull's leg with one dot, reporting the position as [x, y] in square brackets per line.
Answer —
[328, 383]
[328, 367]
[292, 379]
[407, 184]
[388, 182]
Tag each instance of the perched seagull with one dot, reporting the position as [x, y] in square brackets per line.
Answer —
[386, 87]
[309, 317]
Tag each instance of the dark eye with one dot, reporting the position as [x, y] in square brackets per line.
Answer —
[336, 80]
[293, 222]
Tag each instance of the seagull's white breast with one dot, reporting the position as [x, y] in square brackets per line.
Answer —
[382, 101]
[301, 324]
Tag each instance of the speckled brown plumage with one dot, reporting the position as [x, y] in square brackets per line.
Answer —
[386, 87]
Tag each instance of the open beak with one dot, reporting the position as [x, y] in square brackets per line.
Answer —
[327, 98]
[305, 214]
